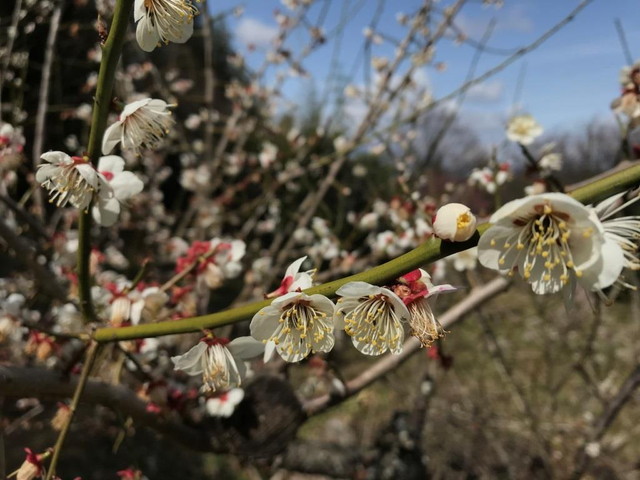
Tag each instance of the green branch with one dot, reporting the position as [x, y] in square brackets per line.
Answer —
[428, 252]
[110, 57]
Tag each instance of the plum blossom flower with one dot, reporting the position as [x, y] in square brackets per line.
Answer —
[294, 280]
[163, 21]
[523, 129]
[372, 316]
[71, 180]
[454, 222]
[214, 261]
[295, 324]
[142, 124]
[117, 186]
[224, 404]
[220, 362]
[414, 289]
[551, 240]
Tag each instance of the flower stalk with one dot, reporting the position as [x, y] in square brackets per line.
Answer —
[111, 51]
[428, 252]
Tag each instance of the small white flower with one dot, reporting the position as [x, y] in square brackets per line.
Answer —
[523, 129]
[71, 180]
[294, 280]
[454, 222]
[163, 21]
[117, 186]
[551, 239]
[372, 316]
[220, 362]
[142, 124]
[296, 324]
[224, 404]
[551, 161]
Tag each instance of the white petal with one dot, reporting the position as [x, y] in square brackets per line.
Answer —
[608, 268]
[294, 267]
[125, 185]
[244, 348]
[190, 362]
[357, 289]
[111, 163]
[106, 211]
[146, 34]
[111, 138]
[56, 157]
[264, 323]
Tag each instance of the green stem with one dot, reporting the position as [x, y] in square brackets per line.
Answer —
[82, 382]
[428, 252]
[110, 57]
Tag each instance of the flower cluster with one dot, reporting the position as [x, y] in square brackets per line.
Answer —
[213, 261]
[296, 324]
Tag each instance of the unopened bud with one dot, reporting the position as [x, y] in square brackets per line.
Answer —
[454, 222]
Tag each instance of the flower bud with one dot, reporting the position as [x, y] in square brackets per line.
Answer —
[454, 222]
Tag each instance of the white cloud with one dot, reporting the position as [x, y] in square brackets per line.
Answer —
[254, 32]
[510, 19]
[486, 92]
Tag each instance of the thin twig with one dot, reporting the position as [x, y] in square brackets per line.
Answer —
[43, 100]
[77, 395]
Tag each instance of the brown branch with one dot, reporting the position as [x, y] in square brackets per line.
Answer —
[388, 363]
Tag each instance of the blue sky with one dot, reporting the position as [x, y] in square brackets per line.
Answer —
[568, 81]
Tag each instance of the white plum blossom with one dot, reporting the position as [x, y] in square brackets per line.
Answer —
[549, 159]
[454, 222]
[551, 240]
[142, 124]
[295, 324]
[220, 362]
[294, 280]
[163, 21]
[224, 404]
[523, 129]
[372, 316]
[117, 186]
[71, 180]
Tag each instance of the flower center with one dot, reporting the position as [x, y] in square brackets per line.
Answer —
[540, 245]
[374, 322]
[301, 329]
